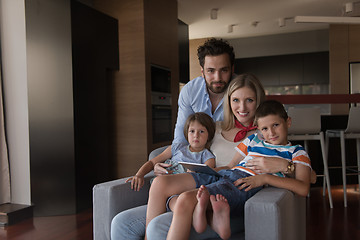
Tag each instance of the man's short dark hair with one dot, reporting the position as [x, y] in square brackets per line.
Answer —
[215, 47]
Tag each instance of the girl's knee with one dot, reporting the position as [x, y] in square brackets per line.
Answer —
[186, 201]
[158, 184]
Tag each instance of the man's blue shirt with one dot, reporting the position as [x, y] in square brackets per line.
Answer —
[194, 97]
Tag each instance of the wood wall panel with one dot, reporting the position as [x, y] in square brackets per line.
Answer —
[147, 34]
[354, 43]
[195, 69]
[161, 33]
[339, 46]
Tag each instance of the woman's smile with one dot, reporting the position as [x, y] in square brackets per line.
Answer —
[243, 114]
[243, 105]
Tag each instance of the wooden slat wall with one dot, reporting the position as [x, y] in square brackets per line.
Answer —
[147, 34]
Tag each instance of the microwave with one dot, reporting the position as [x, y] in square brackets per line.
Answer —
[160, 79]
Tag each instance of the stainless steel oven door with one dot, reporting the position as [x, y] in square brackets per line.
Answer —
[161, 123]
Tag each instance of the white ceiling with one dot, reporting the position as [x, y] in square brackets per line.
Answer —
[242, 13]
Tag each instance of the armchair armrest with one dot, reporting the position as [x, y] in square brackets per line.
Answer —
[275, 214]
[112, 197]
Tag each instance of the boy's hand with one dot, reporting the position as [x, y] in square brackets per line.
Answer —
[252, 182]
[136, 182]
[267, 165]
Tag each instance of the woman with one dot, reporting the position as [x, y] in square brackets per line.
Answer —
[241, 99]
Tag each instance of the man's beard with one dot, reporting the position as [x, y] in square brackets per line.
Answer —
[220, 89]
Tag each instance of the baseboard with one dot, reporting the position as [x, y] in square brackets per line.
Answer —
[12, 213]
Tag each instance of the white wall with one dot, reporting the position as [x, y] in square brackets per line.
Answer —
[14, 66]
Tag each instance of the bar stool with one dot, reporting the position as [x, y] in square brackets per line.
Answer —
[306, 126]
[351, 132]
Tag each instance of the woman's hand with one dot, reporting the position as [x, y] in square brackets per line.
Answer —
[136, 182]
[159, 169]
[251, 182]
[267, 165]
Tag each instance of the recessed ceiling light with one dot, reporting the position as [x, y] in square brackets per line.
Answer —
[213, 13]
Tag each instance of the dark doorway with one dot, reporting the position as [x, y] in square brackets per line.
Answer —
[95, 59]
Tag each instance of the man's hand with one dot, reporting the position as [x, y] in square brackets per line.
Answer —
[267, 165]
[136, 182]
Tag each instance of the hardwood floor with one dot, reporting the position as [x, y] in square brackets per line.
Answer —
[68, 227]
[338, 223]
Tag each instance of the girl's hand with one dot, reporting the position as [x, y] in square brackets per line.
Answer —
[136, 182]
[252, 182]
[159, 169]
[267, 165]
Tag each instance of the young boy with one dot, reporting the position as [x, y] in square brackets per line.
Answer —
[228, 194]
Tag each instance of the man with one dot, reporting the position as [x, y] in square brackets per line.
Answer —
[205, 93]
[202, 94]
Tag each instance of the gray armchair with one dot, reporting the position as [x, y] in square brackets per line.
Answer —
[271, 214]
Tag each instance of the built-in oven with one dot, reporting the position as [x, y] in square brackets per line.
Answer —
[161, 104]
[161, 124]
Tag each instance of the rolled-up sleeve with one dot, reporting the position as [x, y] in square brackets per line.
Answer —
[184, 110]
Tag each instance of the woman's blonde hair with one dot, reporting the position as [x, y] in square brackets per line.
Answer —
[243, 80]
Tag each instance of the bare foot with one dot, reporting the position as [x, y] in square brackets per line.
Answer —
[199, 215]
[221, 216]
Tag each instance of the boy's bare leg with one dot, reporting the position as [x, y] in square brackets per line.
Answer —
[220, 221]
[199, 216]
[182, 217]
[162, 188]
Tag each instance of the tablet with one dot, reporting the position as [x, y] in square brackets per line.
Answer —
[201, 168]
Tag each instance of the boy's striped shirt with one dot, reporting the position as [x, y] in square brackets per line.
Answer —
[254, 146]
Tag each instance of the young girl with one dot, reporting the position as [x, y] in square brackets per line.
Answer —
[199, 131]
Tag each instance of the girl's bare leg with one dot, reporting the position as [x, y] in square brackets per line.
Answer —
[220, 221]
[172, 202]
[199, 217]
[182, 217]
[164, 187]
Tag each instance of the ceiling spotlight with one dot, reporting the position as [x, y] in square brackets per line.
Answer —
[213, 13]
[231, 28]
[349, 7]
[281, 22]
[254, 23]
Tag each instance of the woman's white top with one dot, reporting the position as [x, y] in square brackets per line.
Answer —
[223, 149]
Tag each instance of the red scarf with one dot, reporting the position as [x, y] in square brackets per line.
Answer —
[243, 130]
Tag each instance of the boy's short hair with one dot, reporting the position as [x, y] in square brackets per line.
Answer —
[270, 107]
[215, 47]
[204, 120]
